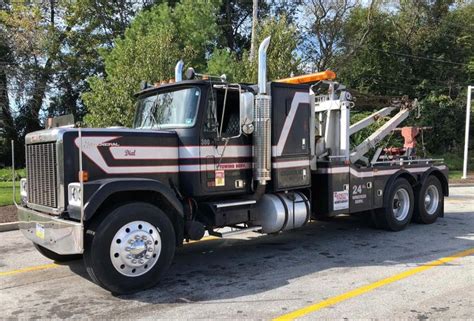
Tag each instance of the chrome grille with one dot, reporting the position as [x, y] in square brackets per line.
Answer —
[41, 165]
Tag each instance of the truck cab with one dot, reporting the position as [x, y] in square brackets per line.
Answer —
[206, 117]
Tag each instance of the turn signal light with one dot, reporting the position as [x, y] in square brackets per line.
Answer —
[84, 175]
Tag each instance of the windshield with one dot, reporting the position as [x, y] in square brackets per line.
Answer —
[171, 109]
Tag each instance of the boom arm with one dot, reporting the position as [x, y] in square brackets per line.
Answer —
[369, 120]
[371, 141]
[332, 119]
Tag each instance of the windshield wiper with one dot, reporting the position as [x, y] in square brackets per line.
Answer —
[151, 114]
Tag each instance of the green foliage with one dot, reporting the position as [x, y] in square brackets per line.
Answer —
[454, 161]
[282, 60]
[155, 41]
[424, 50]
[447, 117]
[357, 138]
[6, 174]
[223, 61]
[52, 47]
[48, 49]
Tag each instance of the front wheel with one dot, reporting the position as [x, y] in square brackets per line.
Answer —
[129, 248]
[397, 212]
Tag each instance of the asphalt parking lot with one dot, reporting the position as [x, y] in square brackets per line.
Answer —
[333, 269]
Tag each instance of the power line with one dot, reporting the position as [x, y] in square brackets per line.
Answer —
[420, 57]
[404, 54]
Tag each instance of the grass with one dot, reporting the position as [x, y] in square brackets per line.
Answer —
[6, 174]
[6, 192]
[455, 174]
[6, 185]
[454, 161]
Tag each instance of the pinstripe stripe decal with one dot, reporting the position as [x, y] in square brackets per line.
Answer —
[90, 146]
[364, 174]
[290, 164]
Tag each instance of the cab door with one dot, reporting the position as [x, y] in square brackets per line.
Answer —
[225, 153]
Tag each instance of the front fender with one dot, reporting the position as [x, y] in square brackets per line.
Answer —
[97, 192]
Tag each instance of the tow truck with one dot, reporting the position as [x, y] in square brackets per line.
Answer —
[205, 154]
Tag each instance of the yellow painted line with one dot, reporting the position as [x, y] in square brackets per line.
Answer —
[30, 269]
[54, 265]
[370, 287]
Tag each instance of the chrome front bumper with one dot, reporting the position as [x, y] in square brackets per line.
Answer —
[55, 234]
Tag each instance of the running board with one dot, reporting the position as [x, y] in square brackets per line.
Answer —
[235, 204]
[235, 232]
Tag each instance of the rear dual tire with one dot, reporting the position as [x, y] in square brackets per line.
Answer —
[429, 201]
[397, 212]
[129, 248]
[424, 205]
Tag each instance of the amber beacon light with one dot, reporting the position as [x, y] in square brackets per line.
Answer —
[305, 79]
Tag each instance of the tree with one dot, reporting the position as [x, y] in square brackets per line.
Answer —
[410, 51]
[53, 46]
[7, 125]
[421, 49]
[93, 27]
[254, 27]
[34, 44]
[235, 22]
[323, 23]
[281, 54]
[155, 41]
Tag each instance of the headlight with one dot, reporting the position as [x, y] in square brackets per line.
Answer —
[74, 194]
[23, 189]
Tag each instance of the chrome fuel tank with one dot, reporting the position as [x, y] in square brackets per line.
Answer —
[282, 211]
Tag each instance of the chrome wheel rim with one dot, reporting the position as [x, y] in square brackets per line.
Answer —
[401, 204]
[431, 199]
[135, 248]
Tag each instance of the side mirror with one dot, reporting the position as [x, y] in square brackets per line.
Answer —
[190, 73]
[247, 113]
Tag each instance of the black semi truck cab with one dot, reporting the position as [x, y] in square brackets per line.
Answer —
[204, 154]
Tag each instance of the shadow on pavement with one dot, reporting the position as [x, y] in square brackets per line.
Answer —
[226, 269]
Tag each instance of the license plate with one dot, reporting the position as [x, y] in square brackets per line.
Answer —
[40, 231]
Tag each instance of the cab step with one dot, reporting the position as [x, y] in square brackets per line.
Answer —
[234, 203]
[236, 230]
[229, 213]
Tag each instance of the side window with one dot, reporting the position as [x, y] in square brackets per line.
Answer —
[211, 124]
[231, 121]
[231, 127]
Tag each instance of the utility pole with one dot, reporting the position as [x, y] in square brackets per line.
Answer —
[254, 26]
[466, 137]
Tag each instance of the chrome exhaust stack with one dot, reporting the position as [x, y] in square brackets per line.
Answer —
[178, 71]
[262, 135]
[262, 66]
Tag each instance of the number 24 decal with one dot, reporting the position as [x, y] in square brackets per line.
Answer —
[356, 189]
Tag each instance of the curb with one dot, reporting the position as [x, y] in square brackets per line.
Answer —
[5, 227]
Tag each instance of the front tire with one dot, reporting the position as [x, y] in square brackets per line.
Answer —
[429, 201]
[397, 213]
[129, 248]
[55, 256]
